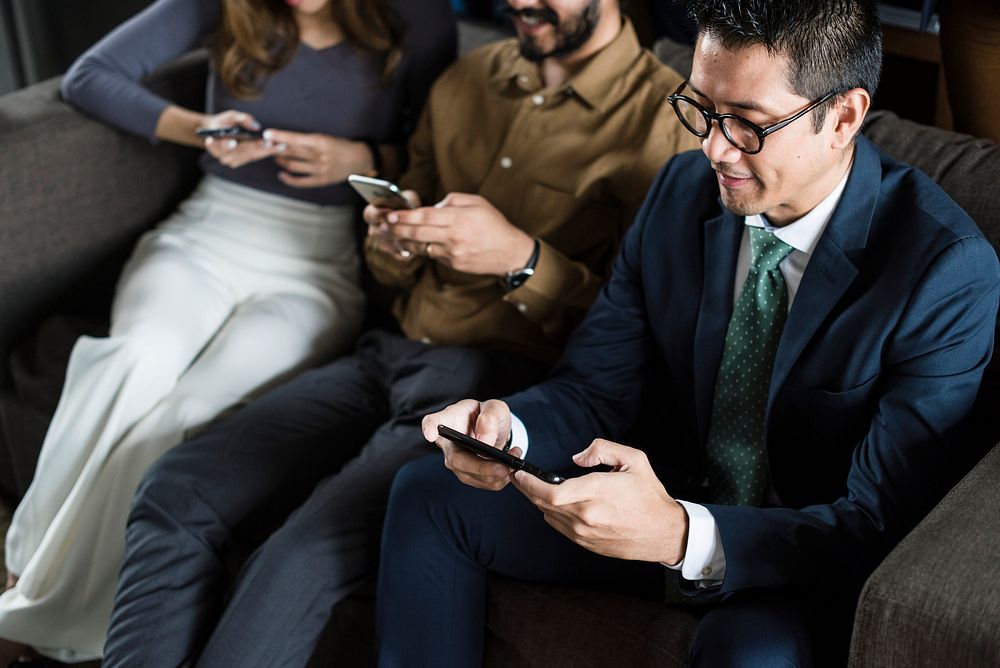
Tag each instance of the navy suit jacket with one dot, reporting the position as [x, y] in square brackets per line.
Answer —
[877, 368]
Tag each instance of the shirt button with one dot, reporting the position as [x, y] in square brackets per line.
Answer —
[506, 162]
[706, 571]
[522, 307]
[538, 100]
[426, 341]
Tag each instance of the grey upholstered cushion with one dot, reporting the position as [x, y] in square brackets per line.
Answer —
[535, 626]
[935, 600]
[676, 56]
[968, 168]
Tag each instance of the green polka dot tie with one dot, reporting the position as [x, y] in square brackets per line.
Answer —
[736, 452]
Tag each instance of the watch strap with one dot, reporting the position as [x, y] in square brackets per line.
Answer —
[516, 278]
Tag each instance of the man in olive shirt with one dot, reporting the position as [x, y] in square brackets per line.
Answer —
[535, 154]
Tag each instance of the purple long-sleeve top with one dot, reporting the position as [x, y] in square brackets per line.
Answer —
[335, 91]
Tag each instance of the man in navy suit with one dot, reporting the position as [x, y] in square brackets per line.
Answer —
[819, 318]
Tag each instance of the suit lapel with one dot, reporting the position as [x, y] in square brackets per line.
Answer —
[830, 270]
[722, 244]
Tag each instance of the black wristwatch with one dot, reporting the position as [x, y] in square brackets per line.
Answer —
[516, 278]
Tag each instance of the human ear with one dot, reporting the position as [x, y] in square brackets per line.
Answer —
[847, 115]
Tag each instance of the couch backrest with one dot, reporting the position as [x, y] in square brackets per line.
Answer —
[967, 168]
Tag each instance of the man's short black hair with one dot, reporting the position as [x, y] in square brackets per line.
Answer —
[831, 45]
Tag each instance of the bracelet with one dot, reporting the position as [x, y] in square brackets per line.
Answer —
[376, 169]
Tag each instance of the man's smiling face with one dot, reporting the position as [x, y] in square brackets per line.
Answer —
[792, 173]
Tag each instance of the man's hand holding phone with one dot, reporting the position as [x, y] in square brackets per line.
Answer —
[383, 198]
[624, 512]
[487, 421]
[465, 232]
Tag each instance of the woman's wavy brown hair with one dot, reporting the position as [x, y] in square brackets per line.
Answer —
[259, 37]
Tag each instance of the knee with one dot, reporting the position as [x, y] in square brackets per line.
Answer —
[422, 485]
[165, 499]
[422, 499]
[752, 630]
[160, 356]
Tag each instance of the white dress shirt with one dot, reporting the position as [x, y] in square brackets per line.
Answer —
[704, 559]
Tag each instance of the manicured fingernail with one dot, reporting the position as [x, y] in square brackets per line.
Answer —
[282, 147]
[231, 144]
[209, 141]
[392, 218]
[267, 143]
[255, 125]
[268, 134]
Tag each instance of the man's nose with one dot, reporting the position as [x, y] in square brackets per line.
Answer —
[717, 148]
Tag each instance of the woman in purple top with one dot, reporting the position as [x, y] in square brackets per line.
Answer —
[254, 277]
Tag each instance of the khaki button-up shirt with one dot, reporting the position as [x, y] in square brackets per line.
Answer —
[569, 165]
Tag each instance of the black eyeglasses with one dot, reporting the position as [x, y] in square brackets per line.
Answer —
[741, 133]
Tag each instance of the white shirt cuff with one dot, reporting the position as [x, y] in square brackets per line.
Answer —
[704, 559]
[519, 435]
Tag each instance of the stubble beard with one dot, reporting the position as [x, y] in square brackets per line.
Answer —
[571, 35]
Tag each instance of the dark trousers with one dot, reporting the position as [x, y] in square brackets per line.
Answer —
[441, 538]
[319, 452]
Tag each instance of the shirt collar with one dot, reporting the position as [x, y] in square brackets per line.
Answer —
[594, 83]
[804, 233]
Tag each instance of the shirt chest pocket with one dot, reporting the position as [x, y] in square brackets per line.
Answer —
[577, 226]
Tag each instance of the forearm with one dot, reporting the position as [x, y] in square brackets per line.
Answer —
[105, 81]
[178, 125]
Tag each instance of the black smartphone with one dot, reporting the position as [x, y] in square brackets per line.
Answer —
[231, 132]
[497, 455]
[379, 192]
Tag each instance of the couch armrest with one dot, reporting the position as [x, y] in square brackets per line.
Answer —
[73, 192]
[935, 600]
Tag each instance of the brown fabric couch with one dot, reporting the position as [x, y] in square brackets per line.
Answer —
[74, 195]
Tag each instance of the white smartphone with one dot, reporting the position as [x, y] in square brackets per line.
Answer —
[379, 192]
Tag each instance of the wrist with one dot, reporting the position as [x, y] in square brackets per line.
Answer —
[515, 278]
[676, 543]
[524, 250]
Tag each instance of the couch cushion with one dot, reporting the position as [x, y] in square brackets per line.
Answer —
[543, 626]
[929, 604]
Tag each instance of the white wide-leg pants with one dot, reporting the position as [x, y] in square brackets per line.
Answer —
[237, 290]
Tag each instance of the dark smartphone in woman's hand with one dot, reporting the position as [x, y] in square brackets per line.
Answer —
[230, 132]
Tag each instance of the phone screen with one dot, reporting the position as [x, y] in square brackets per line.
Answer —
[489, 452]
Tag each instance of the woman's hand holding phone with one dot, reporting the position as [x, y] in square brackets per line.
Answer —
[236, 150]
